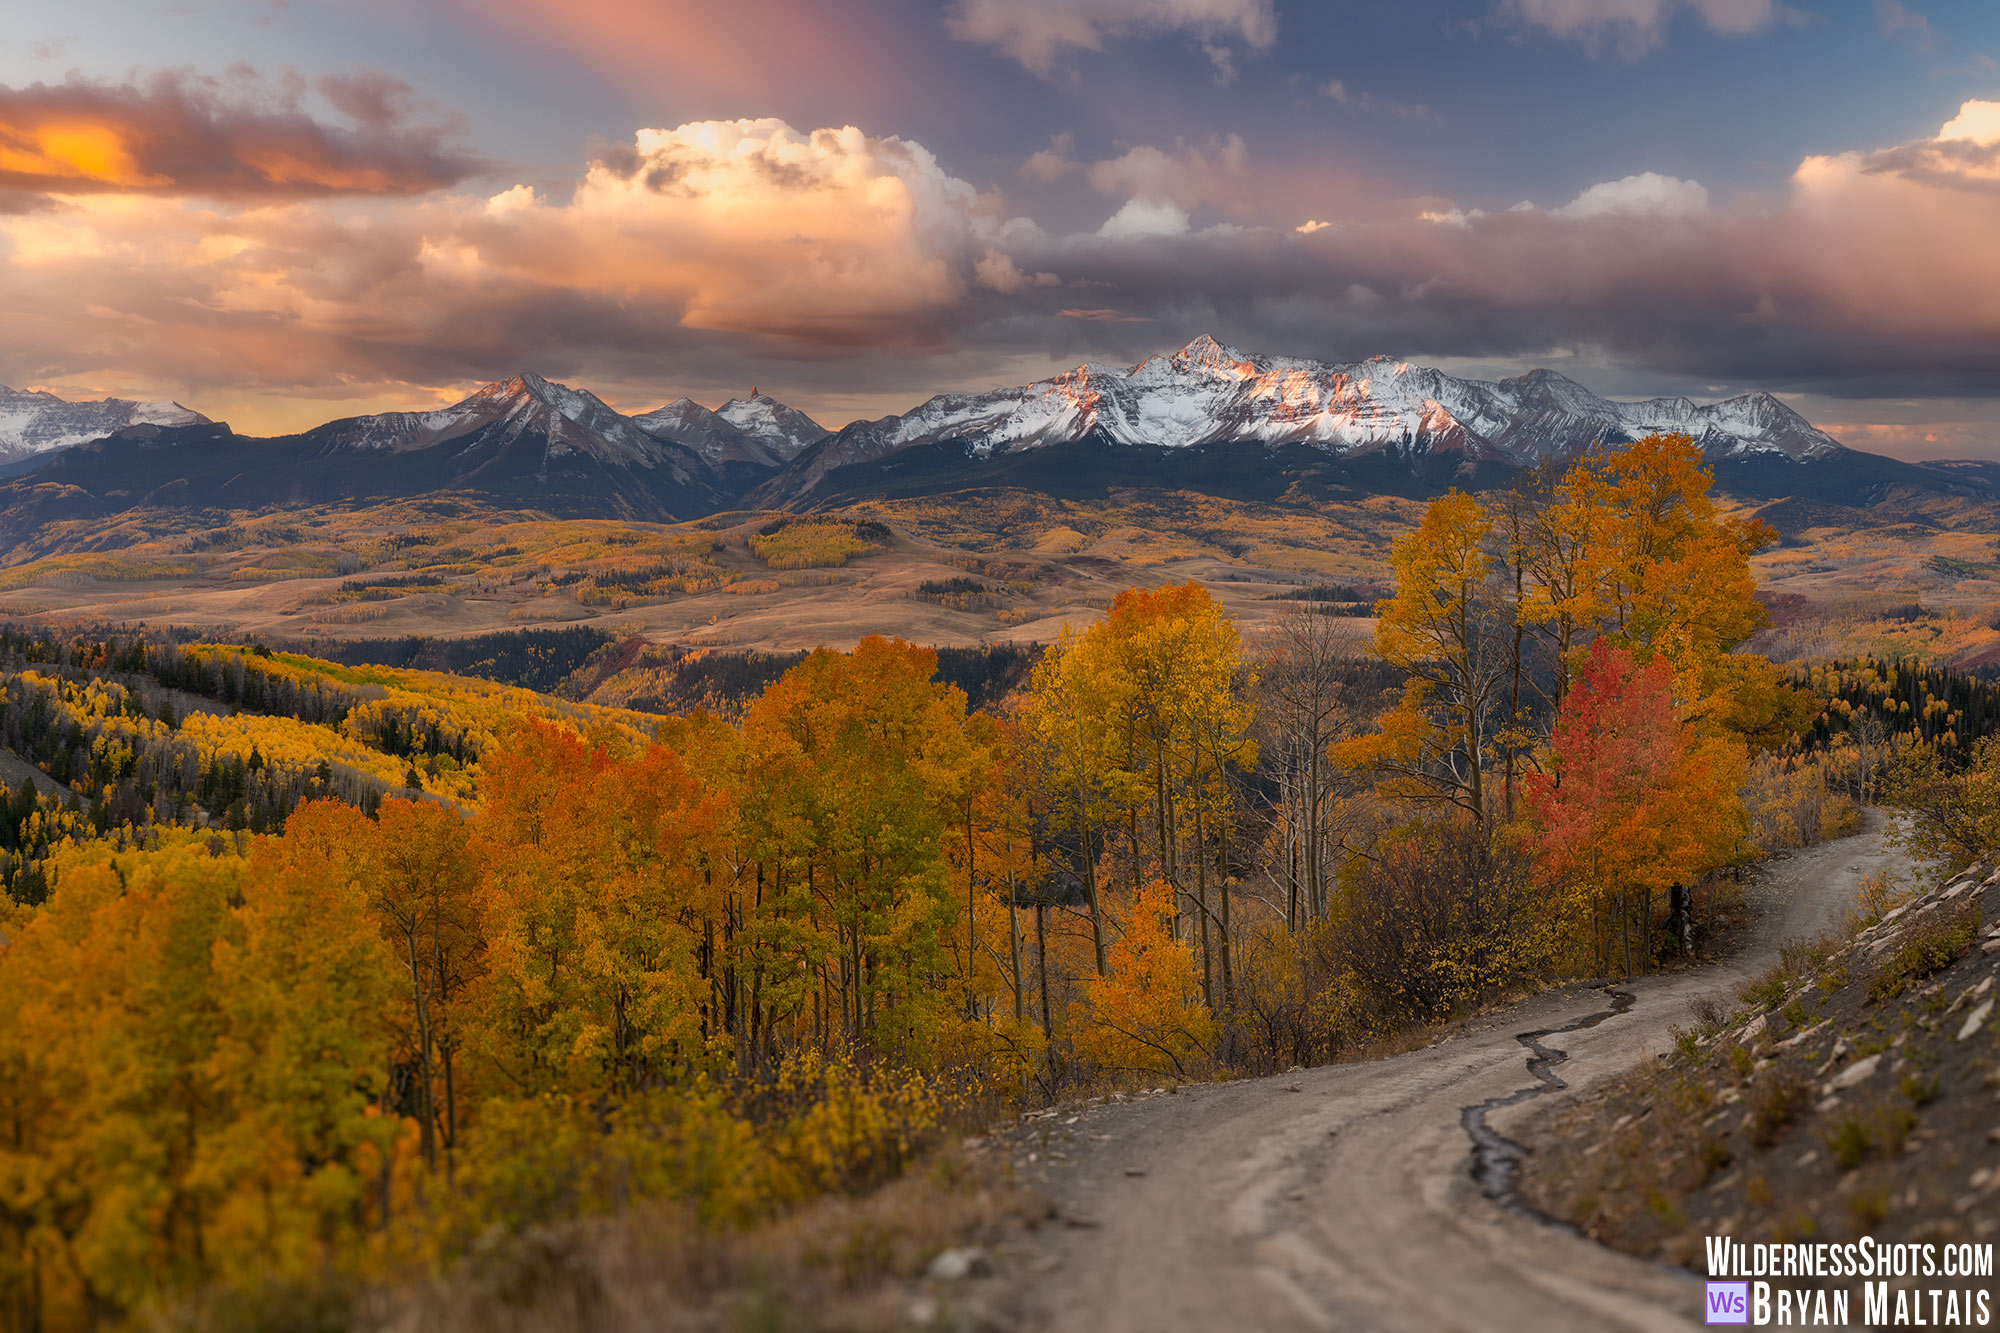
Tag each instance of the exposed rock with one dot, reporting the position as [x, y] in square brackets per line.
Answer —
[1975, 1020]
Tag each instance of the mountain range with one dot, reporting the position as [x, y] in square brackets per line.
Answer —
[35, 422]
[1205, 418]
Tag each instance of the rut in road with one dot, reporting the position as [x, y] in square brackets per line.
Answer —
[1496, 1159]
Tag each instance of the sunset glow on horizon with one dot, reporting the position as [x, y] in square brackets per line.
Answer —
[855, 206]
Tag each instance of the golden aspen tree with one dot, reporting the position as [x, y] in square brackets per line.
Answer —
[307, 991]
[851, 754]
[113, 1024]
[424, 891]
[1436, 745]
[1147, 709]
[1673, 573]
[1071, 724]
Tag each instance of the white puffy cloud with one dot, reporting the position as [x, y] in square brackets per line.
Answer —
[1976, 121]
[759, 227]
[1647, 194]
[1039, 33]
[1144, 217]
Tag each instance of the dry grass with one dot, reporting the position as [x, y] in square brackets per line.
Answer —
[1841, 590]
[835, 1264]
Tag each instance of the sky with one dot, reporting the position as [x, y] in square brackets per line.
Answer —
[280, 212]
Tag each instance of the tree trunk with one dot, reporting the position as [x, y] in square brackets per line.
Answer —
[1201, 905]
[1228, 963]
[971, 917]
[1042, 964]
[1014, 935]
[427, 1127]
[1096, 913]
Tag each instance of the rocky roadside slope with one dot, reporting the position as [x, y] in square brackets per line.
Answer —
[1853, 1093]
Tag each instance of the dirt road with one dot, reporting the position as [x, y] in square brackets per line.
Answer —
[1343, 1197]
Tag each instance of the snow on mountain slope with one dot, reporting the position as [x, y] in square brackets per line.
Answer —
[570, 420]
[1204, 394]
[784, 431]
[709, 434]
[34, 422]
[1209, 393]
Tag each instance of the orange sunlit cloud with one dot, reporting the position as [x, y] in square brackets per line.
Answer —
[66, 154]
[823, 239]
[233, 138]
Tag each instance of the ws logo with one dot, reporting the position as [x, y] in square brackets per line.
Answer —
[1727, 1303]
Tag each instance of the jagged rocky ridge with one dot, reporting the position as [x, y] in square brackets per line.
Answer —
[1205, 418]
[1209, 394]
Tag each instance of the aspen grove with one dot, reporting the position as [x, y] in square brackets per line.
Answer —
[548, 960]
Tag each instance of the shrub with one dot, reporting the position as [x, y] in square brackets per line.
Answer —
[1776, 1099]
[1443, 915]
[1927, 947]
[1851, 1138]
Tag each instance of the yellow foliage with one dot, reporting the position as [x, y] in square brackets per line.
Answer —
[810, 543]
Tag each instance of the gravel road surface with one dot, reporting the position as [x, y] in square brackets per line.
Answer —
[1343, 1197]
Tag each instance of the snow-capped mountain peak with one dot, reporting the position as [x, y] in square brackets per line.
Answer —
[709, 434]
[33, 421]
[784, 431]
[521, 407]
[1204, 357]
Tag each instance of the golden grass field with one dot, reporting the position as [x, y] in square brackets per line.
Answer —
[1918, 579]
[447, 568]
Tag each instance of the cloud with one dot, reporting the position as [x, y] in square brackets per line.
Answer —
[869, 268]
[1188, 175]
[754, 227]
[1054, 162]
[1338, 92]
[1647, 194]
[1892, 16]
[1964, 155]
[1976, 121]
[738, 234]
[1100, 316]
[1633, 27]
[1223, 61]
[999, 272]
[1040, 33]
[1144, 217]
[239, 137]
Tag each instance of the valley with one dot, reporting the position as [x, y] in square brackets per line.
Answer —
[1912, 576]
[993, 518]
